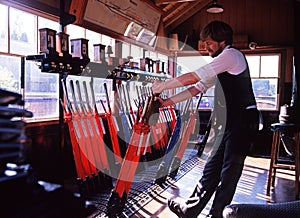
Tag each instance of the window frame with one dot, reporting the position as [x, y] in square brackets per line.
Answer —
[284, 65]
[260, 77]
[207, 100]
[7, 53]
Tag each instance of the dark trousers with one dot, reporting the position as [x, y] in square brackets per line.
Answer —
[224, 166]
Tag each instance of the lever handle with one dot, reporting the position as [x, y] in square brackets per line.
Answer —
[151, 112]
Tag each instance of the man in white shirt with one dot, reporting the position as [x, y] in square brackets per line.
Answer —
[235, 115]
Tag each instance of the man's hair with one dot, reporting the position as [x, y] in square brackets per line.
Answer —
[218, 31]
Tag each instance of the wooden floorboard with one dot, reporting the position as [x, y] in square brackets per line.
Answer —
[149, 200]
[251, 188]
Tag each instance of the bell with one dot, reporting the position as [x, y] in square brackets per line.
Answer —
[109, 50]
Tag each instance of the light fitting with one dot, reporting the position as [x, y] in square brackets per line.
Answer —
[214, 7]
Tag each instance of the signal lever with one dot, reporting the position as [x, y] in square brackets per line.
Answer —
[151, 110]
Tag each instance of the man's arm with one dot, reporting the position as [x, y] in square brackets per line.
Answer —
[180, 81]
[184, 95]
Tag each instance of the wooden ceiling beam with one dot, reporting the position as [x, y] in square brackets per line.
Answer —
[151, 4]
[185, 14]
[173, 11]
[168, 7]
[163, 2]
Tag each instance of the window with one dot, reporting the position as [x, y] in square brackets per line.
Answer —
[10, 68]
[22, 32]
[264, 70]
[99, 91]
[153, 55]
[94, 38]
[41, 92]
[125, 50]
[136, 53]
[75, 32]
[4, 28]
[19, 37]
[188, 64]
[41, 89]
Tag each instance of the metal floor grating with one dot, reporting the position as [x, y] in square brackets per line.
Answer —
[143, 191]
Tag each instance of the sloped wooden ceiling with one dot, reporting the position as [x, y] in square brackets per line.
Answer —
[175, 12]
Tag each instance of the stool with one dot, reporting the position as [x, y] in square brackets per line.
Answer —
[279, 129]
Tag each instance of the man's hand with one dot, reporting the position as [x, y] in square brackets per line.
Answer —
[157, 87]
[164, 102]
[159, 99]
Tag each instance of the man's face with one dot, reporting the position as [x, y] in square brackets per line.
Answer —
[214, 48]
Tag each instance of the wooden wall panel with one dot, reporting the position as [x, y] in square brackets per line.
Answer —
[50, 160]
[267, 22]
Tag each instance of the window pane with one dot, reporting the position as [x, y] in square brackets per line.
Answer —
[10, 69]
[207, 102]
[192, 63]
[46, 23]
[265, 91]
[261, 66]
[125, 50]
[153, 55]
[41, 89]
[147, 53]
[162, 57]
[41, 92]
[254, 65]
[94, 38]
[3, 29]
[87, 99]
[207, 59]
[269, 66]
[188, 64]
[23, 32]
[136, 53]
[75, 32]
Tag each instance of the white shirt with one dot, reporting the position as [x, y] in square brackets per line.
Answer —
[230, 60]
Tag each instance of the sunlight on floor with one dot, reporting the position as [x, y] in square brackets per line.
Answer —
[251, 188]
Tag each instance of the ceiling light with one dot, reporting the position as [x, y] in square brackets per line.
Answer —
[214, 7]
